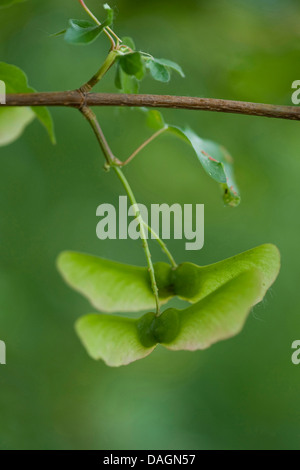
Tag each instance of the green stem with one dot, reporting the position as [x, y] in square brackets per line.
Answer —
[111, 161]
[107, 64]
[162, 245]
[139, 218]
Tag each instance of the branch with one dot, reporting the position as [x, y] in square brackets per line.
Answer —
[77, 99]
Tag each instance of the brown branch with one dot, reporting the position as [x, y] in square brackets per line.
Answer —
[76, 99]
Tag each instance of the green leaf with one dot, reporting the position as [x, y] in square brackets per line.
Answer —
[108, 285]
[14, 120]
[110, 15]
[155, 119]
[113, 339]
[81, 32]
[158, 71]
[126, 83]
[8, 3]
[218, 316]
[170, 65]
[132, 64]
[127, 41]
[214, 158]
[59, 33]
[44, 116]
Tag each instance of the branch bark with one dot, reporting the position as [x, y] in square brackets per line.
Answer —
[77, 99]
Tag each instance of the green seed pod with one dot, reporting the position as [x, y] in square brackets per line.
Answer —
[145, 331]
[163, 276]
[186, 280]
[166, 327]
[163, 329]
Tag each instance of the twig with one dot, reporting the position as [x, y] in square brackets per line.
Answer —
[74, 99]
[144, 144]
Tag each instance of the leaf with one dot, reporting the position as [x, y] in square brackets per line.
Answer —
[170, 65]
[14, 120]
[158, 71]
[155, 119]
[264, 258]
[83, 32]
[111, 338]
[216, 162]
[218, 316]
[45, 118]
[132, 64]
[110, 14]
[214, 158]
[108, 285]
[127, 41]
[125, 83]
[59, 33]
[8, 3]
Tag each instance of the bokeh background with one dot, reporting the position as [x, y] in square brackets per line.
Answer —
[239, 394]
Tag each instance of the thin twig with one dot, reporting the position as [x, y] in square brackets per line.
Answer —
[141, 147]
[92, 119]
[74, 99]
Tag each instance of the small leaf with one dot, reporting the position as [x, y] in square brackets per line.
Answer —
[8, 3]
[218, 316]
[214, 158]
[14, 120]
[44, 116]
[133, 65]
[127, 41]
[126, 83]
[114, 339]
[170, 65]
[110, 15]
[216, 162]
[59, 33]
[108, 285]
[155, 119]
[81, 32]
[158, 71]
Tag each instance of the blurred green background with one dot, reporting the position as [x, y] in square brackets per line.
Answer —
[241, 393]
